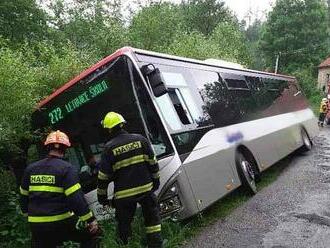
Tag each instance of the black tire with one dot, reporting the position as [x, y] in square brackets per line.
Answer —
[246, 172]
[327, 121]
[307, 143]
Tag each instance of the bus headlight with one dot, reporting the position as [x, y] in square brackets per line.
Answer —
[170, 202]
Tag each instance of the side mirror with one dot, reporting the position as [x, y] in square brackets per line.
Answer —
[156, 79]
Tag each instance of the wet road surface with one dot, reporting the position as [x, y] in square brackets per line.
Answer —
[294, 211]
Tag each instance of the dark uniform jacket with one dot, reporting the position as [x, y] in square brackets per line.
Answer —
[51, 192]
[129, 161]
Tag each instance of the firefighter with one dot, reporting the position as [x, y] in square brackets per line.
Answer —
[323, 111]
[129, 161]
[52, 199]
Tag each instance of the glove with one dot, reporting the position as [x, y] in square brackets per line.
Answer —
[155, 183]
[94, 228]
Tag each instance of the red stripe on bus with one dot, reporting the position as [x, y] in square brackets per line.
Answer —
[85, 73]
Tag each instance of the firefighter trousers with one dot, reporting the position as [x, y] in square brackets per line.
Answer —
[125, 210]
[52, 235]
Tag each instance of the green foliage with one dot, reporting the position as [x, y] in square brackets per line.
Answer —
[204, 15]
[253, 33]
[226, 42]
[27, 75]
[298, 31]
[191, 45]
[17, 98]
[230, 43]
[195, 29]
[92, 25]
[22, 20]
[13, 226]
[155, 26]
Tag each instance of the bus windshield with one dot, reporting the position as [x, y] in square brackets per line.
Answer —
[78, 111]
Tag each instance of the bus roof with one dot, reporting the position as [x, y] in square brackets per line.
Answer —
[126, 50]
[205, 62]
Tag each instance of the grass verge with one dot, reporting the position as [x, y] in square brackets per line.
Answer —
[177, 234]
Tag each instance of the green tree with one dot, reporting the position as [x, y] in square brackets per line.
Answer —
[204, 15]
[226, 42]
[231, 43]
[191, 45]
[22, 20]
[155, 26]
[253, 34]
[92, 24]
[297, 30]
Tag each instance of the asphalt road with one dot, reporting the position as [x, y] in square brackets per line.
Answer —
[294, 211]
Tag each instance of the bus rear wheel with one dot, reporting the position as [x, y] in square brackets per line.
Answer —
[307, 143]
[246, 172]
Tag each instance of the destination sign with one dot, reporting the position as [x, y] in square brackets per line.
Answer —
[58, 113]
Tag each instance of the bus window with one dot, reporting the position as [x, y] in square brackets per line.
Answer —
[194, 110]
[255, 83]
[156, 132]
[180, 106]
[167, 109]
[235, 81]
[227, 102]
[177, 106]
[174, 79]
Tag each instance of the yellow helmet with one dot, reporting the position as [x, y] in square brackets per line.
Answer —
[57, 137]
[112, 119]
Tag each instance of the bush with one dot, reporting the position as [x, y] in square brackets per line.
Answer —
[13, 226]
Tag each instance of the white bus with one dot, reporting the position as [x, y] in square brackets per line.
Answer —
[213, 128]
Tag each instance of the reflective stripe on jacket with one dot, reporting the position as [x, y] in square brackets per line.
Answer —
[50, 191]
[130, 162]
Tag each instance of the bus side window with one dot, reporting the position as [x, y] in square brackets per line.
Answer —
[180, 106]
[187, 106]
[235, 81]
[255, 83]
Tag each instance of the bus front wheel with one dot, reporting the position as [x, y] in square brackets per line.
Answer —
[307, 143]
[246, 173]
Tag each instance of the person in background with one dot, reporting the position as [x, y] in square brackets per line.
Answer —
[129, 161]
[323, 111]
[52, 199]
